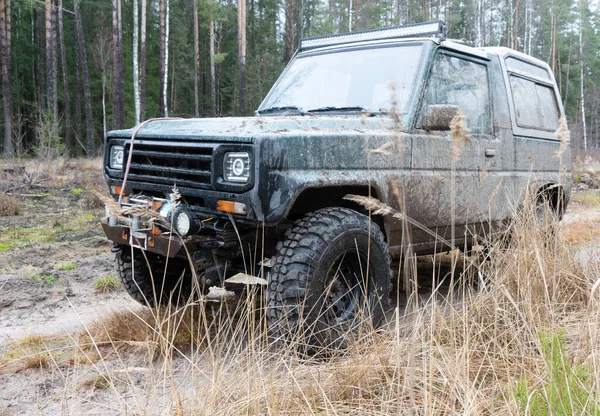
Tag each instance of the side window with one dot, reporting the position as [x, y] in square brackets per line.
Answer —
[535, 104]
[463, 83]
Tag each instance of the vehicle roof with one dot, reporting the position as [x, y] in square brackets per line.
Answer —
[484, 53]
[449, 44]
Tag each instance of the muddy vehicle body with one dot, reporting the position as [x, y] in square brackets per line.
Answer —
[366, 113]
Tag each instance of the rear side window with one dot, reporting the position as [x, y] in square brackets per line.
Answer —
[535, 104]
[514, 64]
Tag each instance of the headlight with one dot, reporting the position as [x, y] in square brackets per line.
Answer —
[236, 167]
[116, 157]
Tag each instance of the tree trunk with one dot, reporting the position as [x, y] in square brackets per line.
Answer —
[51, 62]
[568, 70]
[196, 61]
[166, 75]
[41, 69]
[516, 27]
[288, 35]
[582, 97]
[554, 40]
[5, 46]
[213, 81]
[136, 82]
[143, 63]
[162, 99]
[78, 142]
[67, 98]
[87, 99]
[118, 86]
[242, 53]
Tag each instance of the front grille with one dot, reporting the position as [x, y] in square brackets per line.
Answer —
[184, 164]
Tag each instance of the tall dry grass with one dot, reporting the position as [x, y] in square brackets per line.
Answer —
[519, 335]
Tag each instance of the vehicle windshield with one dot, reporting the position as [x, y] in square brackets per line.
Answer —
[347, 80]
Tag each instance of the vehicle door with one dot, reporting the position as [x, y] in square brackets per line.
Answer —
[460, 173]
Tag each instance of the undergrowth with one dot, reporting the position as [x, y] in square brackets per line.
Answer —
[518, 333]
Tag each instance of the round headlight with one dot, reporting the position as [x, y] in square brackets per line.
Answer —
[182, 222]
[238, 167]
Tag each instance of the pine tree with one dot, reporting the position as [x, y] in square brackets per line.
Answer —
[85, 79]
[66, 92]
[118, 83]
[5, 52]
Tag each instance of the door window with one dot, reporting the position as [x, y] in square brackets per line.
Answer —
[463, 83]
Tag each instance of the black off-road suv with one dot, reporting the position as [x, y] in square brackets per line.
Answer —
[363, 113]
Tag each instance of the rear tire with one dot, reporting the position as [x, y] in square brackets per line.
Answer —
[320, 285]
[144, 278]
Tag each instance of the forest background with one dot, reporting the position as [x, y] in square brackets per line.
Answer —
[73, 69]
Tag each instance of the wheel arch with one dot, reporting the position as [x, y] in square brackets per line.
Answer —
[314, 198]
[554, 193]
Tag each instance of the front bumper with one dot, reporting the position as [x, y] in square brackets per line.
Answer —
[163, 244]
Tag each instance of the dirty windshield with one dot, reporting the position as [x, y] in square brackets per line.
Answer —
[347, 80]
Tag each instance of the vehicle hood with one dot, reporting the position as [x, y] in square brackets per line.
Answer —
[247, 129]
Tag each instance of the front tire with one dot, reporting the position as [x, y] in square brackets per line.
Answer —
[330, 274]
[143, 277]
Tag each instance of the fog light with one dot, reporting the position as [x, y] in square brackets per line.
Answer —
[184, 222]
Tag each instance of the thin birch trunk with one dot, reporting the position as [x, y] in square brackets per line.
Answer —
[582, 97]
[136, 69]
[143, 63]
[162, 99]
[196, 61]
[242, 53]
[213, 86]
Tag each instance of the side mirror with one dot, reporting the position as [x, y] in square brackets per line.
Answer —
[439, 117]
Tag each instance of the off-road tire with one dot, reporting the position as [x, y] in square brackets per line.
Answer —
[143, 276]
[297, 280]
[547, 218]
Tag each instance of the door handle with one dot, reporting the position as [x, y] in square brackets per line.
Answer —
[490, 152]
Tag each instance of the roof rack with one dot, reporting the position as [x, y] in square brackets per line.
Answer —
[435, 29]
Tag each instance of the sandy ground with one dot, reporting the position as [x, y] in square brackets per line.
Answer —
[39, 297]
[29, 306]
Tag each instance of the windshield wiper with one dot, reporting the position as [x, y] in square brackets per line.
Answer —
[292, 108]
[340, 109]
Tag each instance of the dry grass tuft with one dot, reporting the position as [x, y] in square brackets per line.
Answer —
[106, 284]
[39, 360]
[98, 382]
[9, 205]
[90, 200]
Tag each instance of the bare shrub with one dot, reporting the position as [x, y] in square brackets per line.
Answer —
[90, 200]
[9, 205]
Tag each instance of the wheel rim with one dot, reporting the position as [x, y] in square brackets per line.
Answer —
[346, 290]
